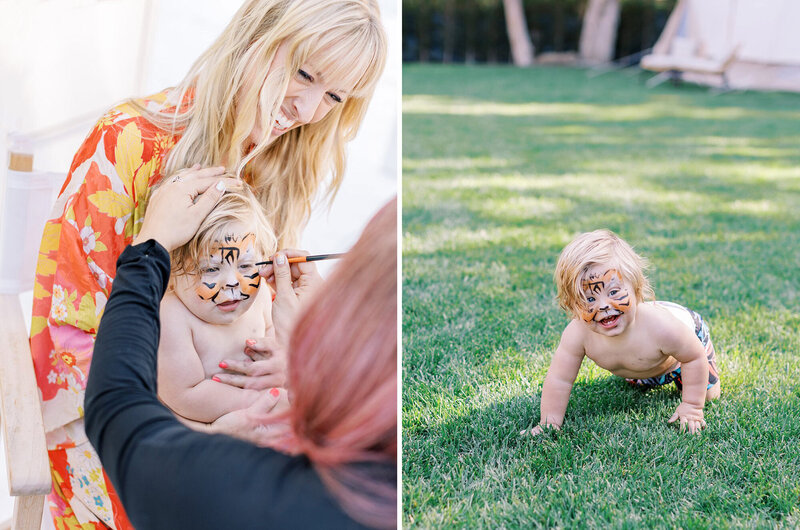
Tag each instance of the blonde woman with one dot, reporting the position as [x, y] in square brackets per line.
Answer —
[274, 100]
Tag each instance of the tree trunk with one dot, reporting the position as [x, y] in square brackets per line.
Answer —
[599, 31]
[518, 36]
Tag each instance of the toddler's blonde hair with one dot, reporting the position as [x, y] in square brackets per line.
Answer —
[238, 205]
[591, 248]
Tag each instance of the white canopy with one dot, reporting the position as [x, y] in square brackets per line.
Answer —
[747, 44]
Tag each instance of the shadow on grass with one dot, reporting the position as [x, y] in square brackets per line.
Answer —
[615, 456]
[507, 84]
[591, 398]
[533, 143]
[716, 205]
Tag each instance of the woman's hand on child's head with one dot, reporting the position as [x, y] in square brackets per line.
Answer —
[176, 209]
[292, 283]
[690, 416]
[266, 367]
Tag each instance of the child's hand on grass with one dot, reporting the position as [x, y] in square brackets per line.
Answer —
[539, 429]
[690, 416]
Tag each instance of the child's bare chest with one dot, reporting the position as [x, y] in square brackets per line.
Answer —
[216, 343]
[634, 356]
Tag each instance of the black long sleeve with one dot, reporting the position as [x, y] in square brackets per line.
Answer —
[167, 475]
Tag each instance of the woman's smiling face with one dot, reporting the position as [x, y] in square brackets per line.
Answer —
[227, 282]
[309, 97]
[609, 307]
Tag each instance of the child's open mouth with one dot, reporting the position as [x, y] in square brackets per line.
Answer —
[609, 322]
[228, 306]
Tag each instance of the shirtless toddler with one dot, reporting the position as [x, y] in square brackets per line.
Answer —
[601, 283]
[213, 305]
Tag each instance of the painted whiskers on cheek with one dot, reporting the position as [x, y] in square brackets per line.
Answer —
[620, 301]
[208, 291]
[592, 285]
[248, 279]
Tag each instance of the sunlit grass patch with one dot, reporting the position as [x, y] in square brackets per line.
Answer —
[501, 168]
[653, 108]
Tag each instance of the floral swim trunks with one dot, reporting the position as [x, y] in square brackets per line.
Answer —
[695, 321]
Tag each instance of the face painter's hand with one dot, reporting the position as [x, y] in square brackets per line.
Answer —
[265, 368]
[176, 209]
[260, 423]
[293, 283]
[305, 276]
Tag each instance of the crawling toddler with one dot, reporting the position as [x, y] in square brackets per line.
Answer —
[213, 305]
[601, 283]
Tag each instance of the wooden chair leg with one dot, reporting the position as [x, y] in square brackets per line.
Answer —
[28, 512]
[23, 432]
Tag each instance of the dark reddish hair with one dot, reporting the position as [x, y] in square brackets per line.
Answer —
[343, 376]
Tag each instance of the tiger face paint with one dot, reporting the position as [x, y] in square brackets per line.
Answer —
[608, 299]
[235, 256]
[228, 281]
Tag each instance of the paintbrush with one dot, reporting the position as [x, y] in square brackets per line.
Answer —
[303, 259]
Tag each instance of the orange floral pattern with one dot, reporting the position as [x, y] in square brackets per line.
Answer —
[98, 213]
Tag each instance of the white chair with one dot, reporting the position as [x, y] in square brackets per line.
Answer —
[27, 203]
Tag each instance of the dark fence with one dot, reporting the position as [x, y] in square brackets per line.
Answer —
[474, 31]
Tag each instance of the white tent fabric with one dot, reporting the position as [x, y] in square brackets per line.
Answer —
[745, 44]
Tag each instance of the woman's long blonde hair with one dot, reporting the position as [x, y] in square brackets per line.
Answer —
[215, 106]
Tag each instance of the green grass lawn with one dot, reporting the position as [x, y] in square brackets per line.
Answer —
[501, 168]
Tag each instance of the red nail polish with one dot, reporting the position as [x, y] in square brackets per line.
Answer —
[215, 378]
[250, 342]
[275, 392]
[223, 365]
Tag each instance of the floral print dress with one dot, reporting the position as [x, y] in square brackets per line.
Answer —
[98, 213]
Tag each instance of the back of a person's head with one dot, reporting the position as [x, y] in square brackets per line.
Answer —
[343, 374]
